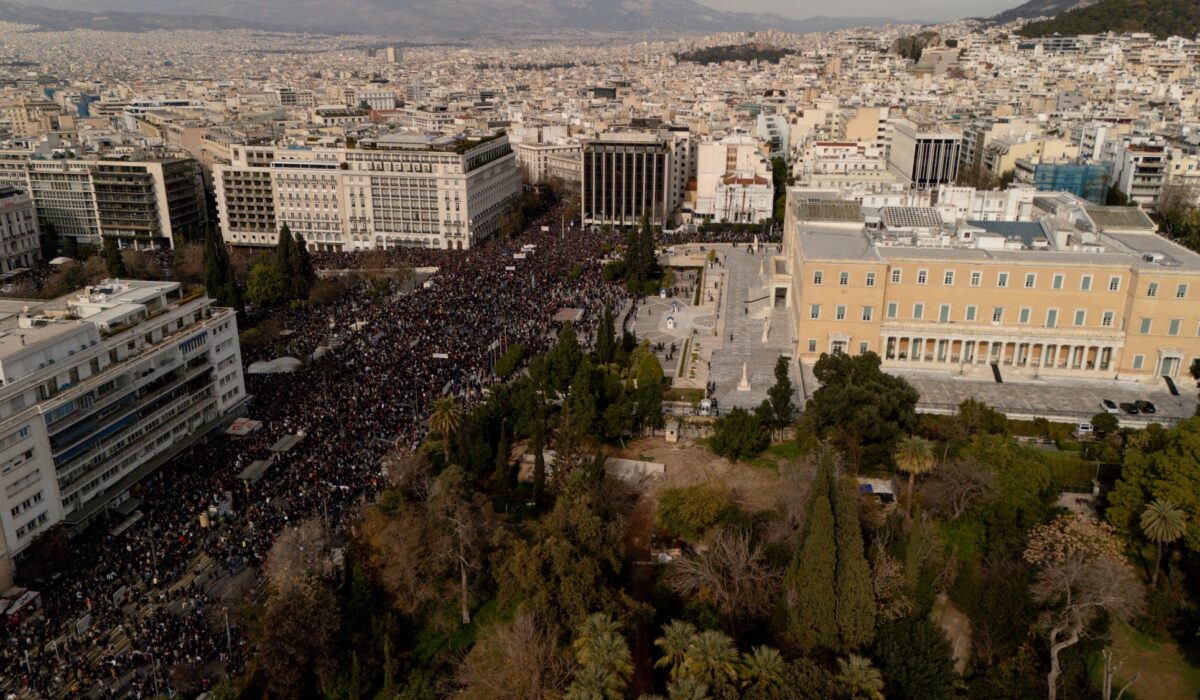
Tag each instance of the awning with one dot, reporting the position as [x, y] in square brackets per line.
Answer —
[286, 443]
[255, 471]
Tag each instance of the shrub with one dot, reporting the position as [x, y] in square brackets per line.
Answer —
[691, 510]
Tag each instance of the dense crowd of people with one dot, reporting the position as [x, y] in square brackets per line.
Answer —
[363, 398]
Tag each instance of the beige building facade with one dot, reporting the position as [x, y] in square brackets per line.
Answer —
[1076, 291]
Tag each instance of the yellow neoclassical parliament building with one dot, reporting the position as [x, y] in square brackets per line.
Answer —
[1065, 288]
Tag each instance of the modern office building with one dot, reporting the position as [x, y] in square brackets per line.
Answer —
[404, 189]
[1075, 290]
[626, 175]
[143, 202]
[102, 387]
[20, 248]
[924, 156]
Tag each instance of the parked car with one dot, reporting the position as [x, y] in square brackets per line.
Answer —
[1110, 406]
[1145, 406]
[1129, 408]
[1084, 430]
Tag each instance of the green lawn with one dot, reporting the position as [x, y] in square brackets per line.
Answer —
[785, 451]
[1166, 674]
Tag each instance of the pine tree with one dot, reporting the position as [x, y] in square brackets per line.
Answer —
[855, 595]
[581, 400]
[502, 473]
[113, 260]
[302, 281]
[809, 589]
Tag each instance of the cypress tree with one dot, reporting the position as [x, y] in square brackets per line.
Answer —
[539, 464]
[781, 395]
[302, 282]
[855, 594]
[606, 339]
[113, 260]
[502, 474]
[214, 277]
[809, 589]
[581, 399]
[285, 256]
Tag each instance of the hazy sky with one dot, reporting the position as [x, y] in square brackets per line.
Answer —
[900, 9]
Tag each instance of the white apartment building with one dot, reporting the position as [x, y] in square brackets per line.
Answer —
[535, 159]
[1141, 167]
[142, 201]
[733, 181]
[845, 164]
[100, 388]
[402, 189]
[19, 245]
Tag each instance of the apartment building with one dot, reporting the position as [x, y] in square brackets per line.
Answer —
[100, 388]
[924, 156]
[1141, 169]
[840, 164]
[626, 175]
[1074, 290]
[535, 159]
[20, 248]
[733, 181]
[402, 189]
[141, 201]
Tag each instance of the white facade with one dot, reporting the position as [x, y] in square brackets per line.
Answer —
[924, 157]
[844, 164]
[733, 181]
[19, 245]
[399, 190]
[100, 388]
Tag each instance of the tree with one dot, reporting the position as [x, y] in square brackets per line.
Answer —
[266, 287]
[957, 486]
[739, 434]
[113, 260]
[217, 272]
[855, 596]
[916, 660]
[858, 679]
[539, 463]
[712, 659]
[563, 359]
[1162, 523]
[647, 397]
[733, 575]
[285, 256]
[70, 247]
[1081, 572]
[1160, 465]
[809, 599]
[301, 616]
[49, 554]
[606, 338]
[446, 418]
[566, 570]
[604, 660]
[48, 240]
[689, 511]
[581, 400]
[303, 274]
[780, 395]
[502, 475]
[864, 410]
[913, 456]
[764, 673]
[677, 636]
[516, 661]
[1105, 423]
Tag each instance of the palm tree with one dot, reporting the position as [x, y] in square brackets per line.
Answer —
[596, 683]
[1163, 522]
[764, 668]
[687, 689]
[711, 658]
[598, 643]
[913, 456]
[446, 418]
[858, 679]
[676, 638]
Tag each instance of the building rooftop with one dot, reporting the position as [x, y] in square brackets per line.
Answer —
[1122, 218]
[829, 210]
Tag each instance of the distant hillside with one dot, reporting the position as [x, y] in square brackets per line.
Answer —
[1163, 18]
[1040, 8]
[739, 52]
[50, 18]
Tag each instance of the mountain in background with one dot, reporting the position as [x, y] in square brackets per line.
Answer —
[57, 19]
[1163, 18]
[1040, 8]
[473, 18]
